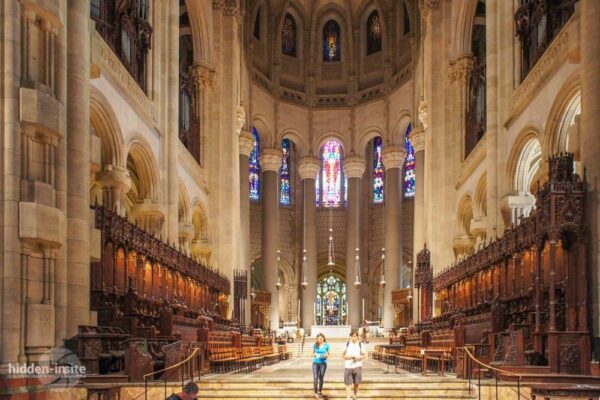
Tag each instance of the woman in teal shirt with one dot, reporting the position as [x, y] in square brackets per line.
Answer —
[320, 354]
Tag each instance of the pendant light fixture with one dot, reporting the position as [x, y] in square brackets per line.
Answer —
[331, 252]
[382, 280]
[304, 282]
[357, 270]
[278, 284]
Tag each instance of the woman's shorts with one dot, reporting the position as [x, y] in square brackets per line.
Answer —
[353, 376]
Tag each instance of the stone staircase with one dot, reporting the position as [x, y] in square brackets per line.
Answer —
[431, 388]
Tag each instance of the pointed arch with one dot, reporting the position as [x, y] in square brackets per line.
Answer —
[104, 122]
[183, 207]
[563, 112]
[143, 166]
[481, 197]
[200, 222]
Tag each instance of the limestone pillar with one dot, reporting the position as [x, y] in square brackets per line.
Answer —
[246, 145]
[308, 169]
[354, 168]
[172, 132]
[78, 164]
[590, 147]
[270, 161]
[393, 161]
[417, 138]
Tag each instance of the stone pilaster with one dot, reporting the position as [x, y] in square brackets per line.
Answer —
[590, 150]
[172, 131]
[308, 169]
[270, 162]
[417, 137]
[78, 161]
[393, 161]
[354, 168]
[246, 145]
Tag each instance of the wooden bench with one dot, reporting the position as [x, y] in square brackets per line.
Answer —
[249, 358]
[408, 358]
[283, 352]
[222, 359]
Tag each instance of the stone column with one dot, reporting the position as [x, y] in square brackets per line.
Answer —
[172, 133]
[308, 169]
[270, 162]
[417, 138]
[590, 150]
[393, 161]
[78, 162]
[246, 145]
[354, 168]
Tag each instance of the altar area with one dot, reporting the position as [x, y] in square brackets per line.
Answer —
[331, 331]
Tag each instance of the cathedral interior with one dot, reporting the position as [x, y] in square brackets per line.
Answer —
[193, 189]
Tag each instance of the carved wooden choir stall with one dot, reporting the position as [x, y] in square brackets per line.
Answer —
[521, 301]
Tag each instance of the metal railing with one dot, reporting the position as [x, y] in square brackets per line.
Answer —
[187, 368]
[468, 369]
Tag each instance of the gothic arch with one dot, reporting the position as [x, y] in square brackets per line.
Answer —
[298, 12]
[104, 122]
[265, 133]
[200, 222]
[147, 176]
[361, 19]
[524, 165]
[342, 17]
[481, 197]
[183, 207]
[464, 215]
[298, 139]
[365, 137]
[463, 30]
[397, 136]
[325, 137]
[562, 115]
[201, 27]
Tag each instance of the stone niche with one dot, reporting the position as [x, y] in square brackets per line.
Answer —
[40, 329]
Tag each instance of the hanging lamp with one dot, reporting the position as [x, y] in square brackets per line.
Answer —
[304, 282]
[357, 270]
[331, 252]
[382, 280]
[278, 284]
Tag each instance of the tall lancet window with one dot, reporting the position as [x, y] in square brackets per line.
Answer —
[254, 168]
[374, 33]
[288, 36]
[332, 42]
[378, 171]
[329, 189]
[409, 165]
[284, 174]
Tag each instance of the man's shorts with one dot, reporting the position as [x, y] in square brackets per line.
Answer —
[353, 376]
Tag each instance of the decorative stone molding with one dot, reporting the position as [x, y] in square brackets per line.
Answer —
[424, 113]
[460, 70]
[270, 159]
[309, 167]
[103, 56]
[205, 76]
[472, 161]
[246, 143]
[417, 138]
[428, 5]
[354, 167]
[393, 157]
[556, 53]
[190, 164]
[111, 177]
[240, 119]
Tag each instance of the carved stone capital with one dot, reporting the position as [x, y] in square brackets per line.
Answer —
[113, 178]
[427, 6]
[309, 167]
[246, 143]
[417, 138]
[424, 113]
[459, 71]
[205, 77]
[354, 167]
[393, 157]
[270, 160]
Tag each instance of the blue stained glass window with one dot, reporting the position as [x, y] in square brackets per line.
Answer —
[331, 171]
[254, 168]
[409, 165]
[332, 43]
[284, 174]
[378, 171]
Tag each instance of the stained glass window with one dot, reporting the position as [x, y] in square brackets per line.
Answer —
[284, 174]
[331, 301]
[332, 43]
[331, 174]
[409, 165]
[254, 168]
[288, 36]
[378, 170]
[374, 33]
